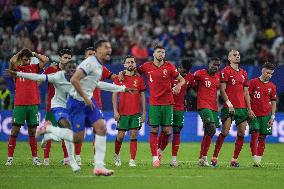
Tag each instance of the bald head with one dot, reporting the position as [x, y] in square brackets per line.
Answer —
[234, 57]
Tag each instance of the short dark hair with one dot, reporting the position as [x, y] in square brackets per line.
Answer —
[91, 48]
[128, 56]
[65, 51]
[214, 59]
[25, 52]
[269, 66]
[186, 64]
[159, 47]
[99, 43]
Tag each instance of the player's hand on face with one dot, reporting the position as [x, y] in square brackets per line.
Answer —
[116, 116]
[11, 73]
[130, 90]
[143, 118]
[89, 102]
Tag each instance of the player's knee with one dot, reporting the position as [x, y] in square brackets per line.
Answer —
[167, 130]
[210, 129]
[133, 134]
[225, 133]
[176, 130]
[154, 129]
[32, 131]
[64, 123]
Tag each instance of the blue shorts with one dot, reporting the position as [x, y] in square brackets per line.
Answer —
[81, 115]
[60, 113]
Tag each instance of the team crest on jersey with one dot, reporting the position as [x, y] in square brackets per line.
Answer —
[78, 125]
[135, 83]
[269, 90]
[165, 72]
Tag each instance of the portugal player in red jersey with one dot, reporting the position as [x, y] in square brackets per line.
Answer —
[263, 103]
[159, 74]
[65, 56]
[208, 82]
[26, 101]
[234, 91]
[128, 114]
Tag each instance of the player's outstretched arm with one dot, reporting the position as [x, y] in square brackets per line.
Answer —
[114, 106]
[32, 76]
[110, 87]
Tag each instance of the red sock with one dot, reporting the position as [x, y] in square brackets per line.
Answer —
[65, 153]
[175, 144]
[11, 145]
[218, 145]
[117, 147]
[238, 146]
[133, 148]
[33, 145]
[78, 147]
[46, 149]
[154, 144]
[253, 143]
[201, 147]
[261, 145]
[161, 139]
[207, 142]
[165, 142]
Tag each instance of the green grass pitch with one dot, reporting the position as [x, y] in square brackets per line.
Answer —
[24, 175]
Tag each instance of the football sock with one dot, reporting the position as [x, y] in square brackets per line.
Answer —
[253, 143]
[46, 149]
[165, 141]
[201, 147]
[100, 145]
[175, 144]
[154, 143]
[33, 145]
[238, 146]
[117, 147]
[133, 148]
[261, 145]
[12, 145]
[206, 145]
[78, 148]
[65, 153]
[160, 139]
[218, 145]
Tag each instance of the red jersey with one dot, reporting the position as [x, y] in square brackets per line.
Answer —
[106, 74]
[159, 81]
[260, 96]
[236, 82]
[179, 98]
[26, 91]
[51, 90]
[207, 86]
[129, 104]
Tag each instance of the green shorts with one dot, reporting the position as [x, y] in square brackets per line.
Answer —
[128, 122]
[261, 125]
[50, 117]
[160, 115]
[241, 115]
[209, 116]
[178, 119]
[28, 114]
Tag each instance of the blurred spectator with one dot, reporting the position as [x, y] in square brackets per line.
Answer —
[139, 50]
[5, 96]
[173, 52]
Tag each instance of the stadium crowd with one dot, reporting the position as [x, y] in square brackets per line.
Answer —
[196, 29]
